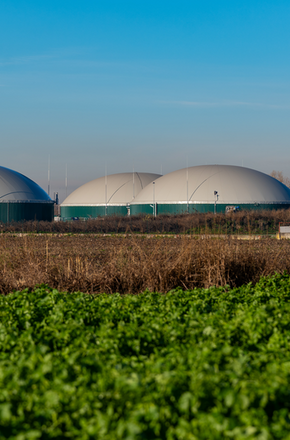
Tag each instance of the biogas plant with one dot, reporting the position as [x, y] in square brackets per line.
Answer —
[207, 188]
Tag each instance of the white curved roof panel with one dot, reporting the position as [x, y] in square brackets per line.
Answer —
[115, 189]
[15, 187]
[197, 185]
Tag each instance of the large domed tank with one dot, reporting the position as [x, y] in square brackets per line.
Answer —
[22, 199]
[107, 195]
[211, 187]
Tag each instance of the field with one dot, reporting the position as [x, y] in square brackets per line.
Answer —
[186, 350]
[196, 364]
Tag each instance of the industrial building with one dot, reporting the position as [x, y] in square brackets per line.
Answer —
[211, 188]
[108, 195]
[22, 199]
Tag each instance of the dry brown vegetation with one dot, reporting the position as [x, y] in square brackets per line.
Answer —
[243, 222]
[132, 264]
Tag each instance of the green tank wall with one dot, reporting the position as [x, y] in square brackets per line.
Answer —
[178, 208]
[67, 212]
[17, 211]
[141, 209]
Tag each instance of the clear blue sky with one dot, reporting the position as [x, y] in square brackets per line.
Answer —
[143, 84]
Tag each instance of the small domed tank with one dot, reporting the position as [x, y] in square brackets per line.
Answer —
[22, 199]
[107, 195]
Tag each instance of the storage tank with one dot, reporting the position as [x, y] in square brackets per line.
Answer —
[22, 199]
[211, 188]
[107, 195]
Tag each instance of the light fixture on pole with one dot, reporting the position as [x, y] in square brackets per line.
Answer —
[215, 193]
[154, 204]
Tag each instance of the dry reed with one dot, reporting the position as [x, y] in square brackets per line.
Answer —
[132, 264]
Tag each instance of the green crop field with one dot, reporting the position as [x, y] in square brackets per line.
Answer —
[197, 364]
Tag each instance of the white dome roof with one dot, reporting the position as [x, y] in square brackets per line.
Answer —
[15, 187]
[119, 190]
[197, 185]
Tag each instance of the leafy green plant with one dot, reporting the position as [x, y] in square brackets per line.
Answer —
[198, 364]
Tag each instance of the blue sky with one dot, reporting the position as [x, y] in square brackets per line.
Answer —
[144, 85]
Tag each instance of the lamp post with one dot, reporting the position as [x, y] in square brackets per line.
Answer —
[154, 204]
[215, 193]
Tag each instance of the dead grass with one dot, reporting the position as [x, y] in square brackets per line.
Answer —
[133, 264]
[243, 222]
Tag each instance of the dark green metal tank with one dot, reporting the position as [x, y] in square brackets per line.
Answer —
[17, 211]
[68, 212]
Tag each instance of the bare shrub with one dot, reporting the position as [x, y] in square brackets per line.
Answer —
[243, 222]
[132, 264]
[280, 176]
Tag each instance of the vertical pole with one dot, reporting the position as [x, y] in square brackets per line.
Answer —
[48, 176]
[154, 204]
[106, 189]
[66, 180]
[133, 183]
[187, 185]
[216, 195]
